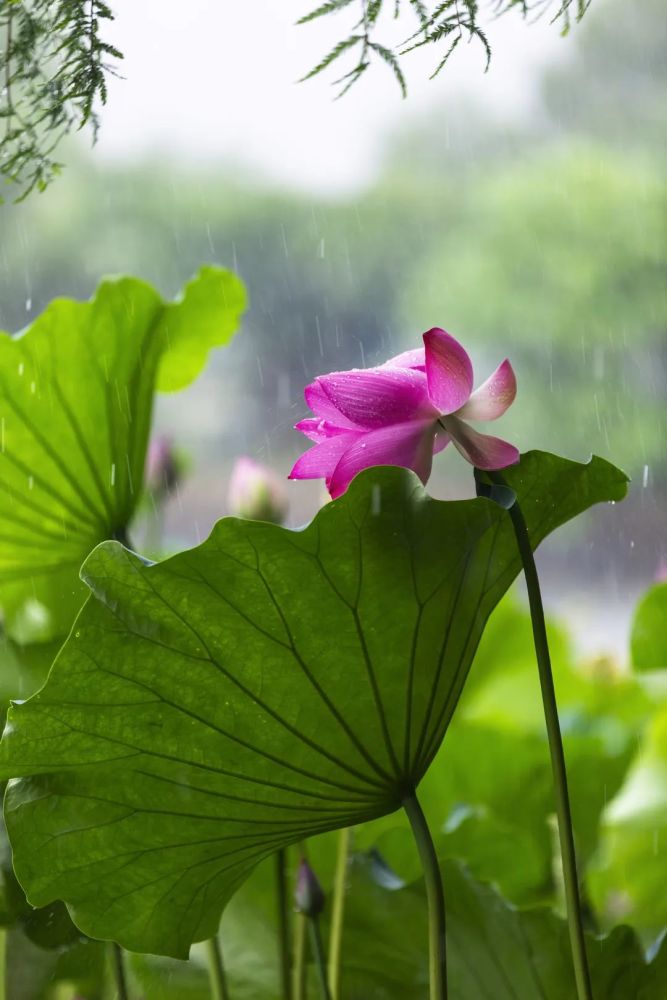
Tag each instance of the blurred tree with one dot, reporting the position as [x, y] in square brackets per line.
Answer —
[322, 276]
[613, 82]
[564, 260]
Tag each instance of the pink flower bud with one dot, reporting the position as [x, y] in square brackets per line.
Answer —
[163, 471]
[256, 492]
[308, 895]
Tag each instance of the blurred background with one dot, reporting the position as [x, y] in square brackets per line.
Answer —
[524, 210]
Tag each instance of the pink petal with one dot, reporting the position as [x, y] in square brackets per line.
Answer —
[442, 439]
[409, 445]
[377, 397]
[319, 430]
[482, 450]
[321, 405]
[320, 461]
[448, 371]
[408, 359]
[493, 397]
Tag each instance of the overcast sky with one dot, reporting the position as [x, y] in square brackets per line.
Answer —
[212, 78]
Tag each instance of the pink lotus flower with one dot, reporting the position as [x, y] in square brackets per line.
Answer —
[402, 413]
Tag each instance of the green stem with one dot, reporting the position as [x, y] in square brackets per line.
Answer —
[216, 970]
[3, 964]
[435, 897]
[283, 923]
[119, 976]
[563, 811]
[338, 912]
[318, 955]
[299, 964]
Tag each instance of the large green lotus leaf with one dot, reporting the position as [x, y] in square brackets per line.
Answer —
[648, 640]
[264, 687]
[76, 394]
[494, 950]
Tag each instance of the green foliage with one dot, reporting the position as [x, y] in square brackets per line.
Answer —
[322, 667]
[502, 829]
[648, 642]
[53, 66]
[630, 870]
[36, 973]
[489, 801]
[494, 950]
[442, 25]
[77, 393]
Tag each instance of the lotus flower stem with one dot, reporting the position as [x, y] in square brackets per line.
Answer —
[435, 897]
[119, 976]
[283, 923]
[216, 970]
[299, 963]
[3, 963]
[563, 811]
[318, 955]
[338, 912]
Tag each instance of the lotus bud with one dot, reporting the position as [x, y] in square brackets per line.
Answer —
[661, 571]
[256, 492]
[163, 468]
[308, 895]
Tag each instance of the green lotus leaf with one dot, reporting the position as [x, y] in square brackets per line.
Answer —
[264, 687]
[648, 640]
[494, 950]
[76, 396]
[630, 868]
[204, 316]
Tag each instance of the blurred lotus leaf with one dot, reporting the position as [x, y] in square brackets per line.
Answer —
[76, 398]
